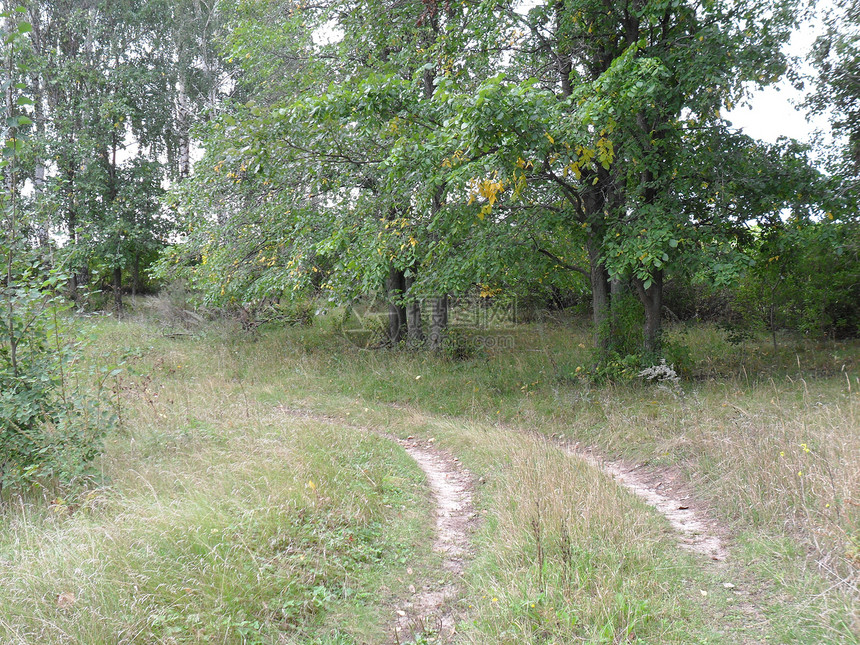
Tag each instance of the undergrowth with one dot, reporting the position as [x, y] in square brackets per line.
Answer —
[220, 520]
[225, 517]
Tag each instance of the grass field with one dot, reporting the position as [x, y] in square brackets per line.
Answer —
[221, 518]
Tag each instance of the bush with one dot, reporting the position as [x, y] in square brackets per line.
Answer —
[460, 345]
[623, 356]
[805, 279]
[50, 431]
[691, 300]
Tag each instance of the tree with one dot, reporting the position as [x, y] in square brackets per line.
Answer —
[836, 58]
[118, 89]
[321, 161]
[591, 150]
[49, 429]
[643, 84]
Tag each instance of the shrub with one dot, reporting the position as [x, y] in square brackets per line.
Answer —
[805, 279]
[51, 427]
[623, 355]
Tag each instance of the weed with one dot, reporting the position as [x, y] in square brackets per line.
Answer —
[208, 492]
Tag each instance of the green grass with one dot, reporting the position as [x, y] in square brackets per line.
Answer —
[220, 521]
[208, 528]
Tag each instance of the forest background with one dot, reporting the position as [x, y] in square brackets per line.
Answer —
[463, 221]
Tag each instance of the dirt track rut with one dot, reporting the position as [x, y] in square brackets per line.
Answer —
[451, 486]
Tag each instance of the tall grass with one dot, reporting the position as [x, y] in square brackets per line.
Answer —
[769, 440]
[223, 518]
[220, 520]
[774, 443]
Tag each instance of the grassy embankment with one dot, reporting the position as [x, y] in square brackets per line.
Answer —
[224, 518]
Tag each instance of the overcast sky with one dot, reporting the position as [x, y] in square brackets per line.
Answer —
[773, 112]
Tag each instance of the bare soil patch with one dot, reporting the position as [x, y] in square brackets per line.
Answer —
[451, 485]
[428, 609]
[664, 490]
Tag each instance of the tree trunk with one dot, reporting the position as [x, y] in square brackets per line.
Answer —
[652, 299]
[42, 227]
[395, 287]
[117, 289]
[771, 317]
[183, 125]
[439, 305]
[563, 60]
[598, 198]
[414, 332]
[599, 278]
[617, 289]
[75, 279]
[135, 276]
[438, 322]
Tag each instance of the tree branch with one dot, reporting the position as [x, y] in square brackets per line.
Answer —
[559, 261]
